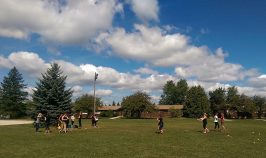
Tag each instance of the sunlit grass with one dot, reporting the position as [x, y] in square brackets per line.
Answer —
[137, 138]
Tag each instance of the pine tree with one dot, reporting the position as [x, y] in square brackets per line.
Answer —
[51, 95]
[13, 95]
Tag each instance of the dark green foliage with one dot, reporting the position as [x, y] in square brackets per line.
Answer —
[135, 104]
[245, 107]
[181, 91]
[174, 94]
[260, 103]
[217, 100]
[12, 95]
[113, 104]
[197, 102]
[85, 103]
[176, 113]
[108, 113]
[51, 95]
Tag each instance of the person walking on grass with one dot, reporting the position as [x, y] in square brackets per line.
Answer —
[160, 125]
[216, 121]
[37, 122]
[204, 122]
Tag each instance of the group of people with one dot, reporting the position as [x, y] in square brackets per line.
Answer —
[65, 121]
[216, 122]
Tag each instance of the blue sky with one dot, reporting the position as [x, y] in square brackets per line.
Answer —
[137, 45]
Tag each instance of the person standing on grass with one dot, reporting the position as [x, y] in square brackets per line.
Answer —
[216, 121]
[72, 118]
[60, 124]
[79, 118]
[222, 121]
[204, 122]
[96, 119]
[160, 125]
[47, 123]
[37, 122]
[65, 120]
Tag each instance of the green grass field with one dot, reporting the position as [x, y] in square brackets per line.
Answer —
[137, 138]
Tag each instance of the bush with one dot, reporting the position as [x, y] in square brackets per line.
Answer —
[108, 113]
[176, 113]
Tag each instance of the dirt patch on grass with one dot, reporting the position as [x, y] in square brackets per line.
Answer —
[14, 122]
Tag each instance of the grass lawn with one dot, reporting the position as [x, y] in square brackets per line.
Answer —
[137, 138]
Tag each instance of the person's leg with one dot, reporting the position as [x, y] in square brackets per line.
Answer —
[80, 123]
[215, 125]
[64, 124]
[37, 127]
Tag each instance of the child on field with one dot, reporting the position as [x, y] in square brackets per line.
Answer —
[216, 121]
[160, 125]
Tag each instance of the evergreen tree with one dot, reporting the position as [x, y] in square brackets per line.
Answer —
[51, 95]
[113, 104]
[197, 102]
[13, 95]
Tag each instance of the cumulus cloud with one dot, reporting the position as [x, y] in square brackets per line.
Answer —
[102, 92]
[145, 10]
[28, 62]
[73, 22]
[160, 48]
[259, 81]
[145, 70]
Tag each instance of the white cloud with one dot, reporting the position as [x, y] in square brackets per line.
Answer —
[145, 70]
[145, 9]
[77, 90]
[102, 92]
[5, 63]
[259, 81]
[72, 23]
[28, 62]
[155, 46]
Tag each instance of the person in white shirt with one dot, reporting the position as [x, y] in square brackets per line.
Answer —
[216, 121]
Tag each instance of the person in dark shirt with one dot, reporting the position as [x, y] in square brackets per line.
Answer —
[160, 125]
[47, 123]
[204, 122]
[79, 118]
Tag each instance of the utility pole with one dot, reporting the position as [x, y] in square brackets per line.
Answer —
[94, 103]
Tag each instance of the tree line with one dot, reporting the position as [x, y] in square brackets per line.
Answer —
[196, 101]
[51, 96]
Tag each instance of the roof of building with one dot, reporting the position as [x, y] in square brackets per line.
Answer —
[107, 108]
[159, 107]
[168, 107]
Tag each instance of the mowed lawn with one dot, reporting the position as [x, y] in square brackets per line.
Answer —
[132, 138]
